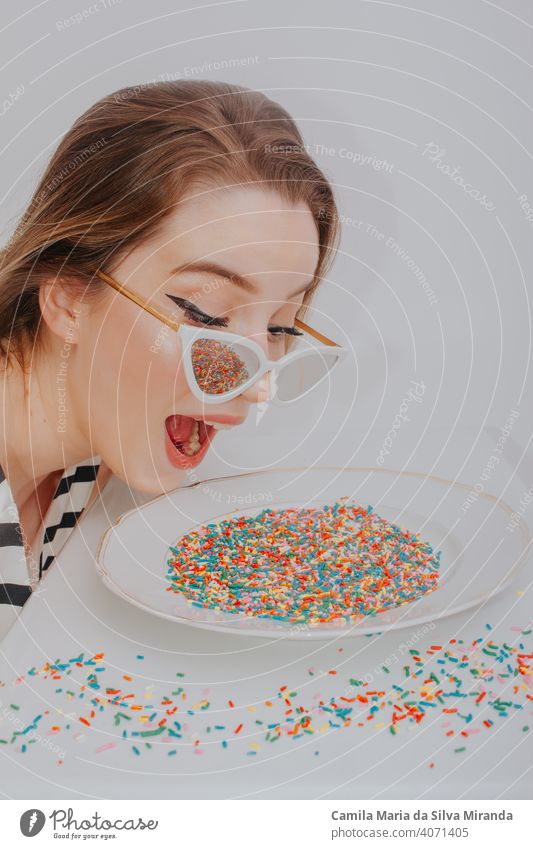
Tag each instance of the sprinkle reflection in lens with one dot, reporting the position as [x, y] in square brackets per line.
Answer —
[217, 367]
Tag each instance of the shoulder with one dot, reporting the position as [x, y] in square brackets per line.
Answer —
[8, 510]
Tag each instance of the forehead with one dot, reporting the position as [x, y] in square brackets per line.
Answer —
[254, 231]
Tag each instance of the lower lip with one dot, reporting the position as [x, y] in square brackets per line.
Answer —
[183, 461]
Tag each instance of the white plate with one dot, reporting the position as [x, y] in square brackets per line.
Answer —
[480, 554]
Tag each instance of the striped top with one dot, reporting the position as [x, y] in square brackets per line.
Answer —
[20, 575]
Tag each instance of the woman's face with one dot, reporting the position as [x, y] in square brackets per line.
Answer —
[131, 391]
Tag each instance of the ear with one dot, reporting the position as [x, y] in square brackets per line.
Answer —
[61, 308]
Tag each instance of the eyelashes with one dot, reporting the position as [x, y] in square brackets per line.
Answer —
[194, 314]
[289, 331]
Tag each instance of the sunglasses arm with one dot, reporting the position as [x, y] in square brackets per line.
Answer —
[319, 336]
[132, 296]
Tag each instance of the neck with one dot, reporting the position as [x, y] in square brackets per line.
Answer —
[36, 437]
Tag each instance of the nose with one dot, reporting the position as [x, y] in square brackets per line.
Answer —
[260, 391]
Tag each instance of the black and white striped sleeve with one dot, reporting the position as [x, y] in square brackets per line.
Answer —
[15, 586]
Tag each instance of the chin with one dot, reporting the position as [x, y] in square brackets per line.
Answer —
[183, 444]
[150, 482]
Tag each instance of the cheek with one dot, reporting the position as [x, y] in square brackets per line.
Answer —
[150, 376]
[130, 380]
[165, 378]
[137, 376]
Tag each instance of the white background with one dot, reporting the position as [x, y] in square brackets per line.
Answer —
[375, 79]
[367, 78]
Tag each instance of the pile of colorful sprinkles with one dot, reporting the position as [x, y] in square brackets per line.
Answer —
[217, 366]
[303, 564]
[468, 687]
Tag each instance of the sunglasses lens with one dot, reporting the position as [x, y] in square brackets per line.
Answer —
[220, 367]
[298, 377]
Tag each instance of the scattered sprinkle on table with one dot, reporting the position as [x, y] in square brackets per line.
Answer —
[303, 564]
[456, 685]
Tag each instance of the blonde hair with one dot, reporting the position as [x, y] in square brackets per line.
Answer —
[125, 161]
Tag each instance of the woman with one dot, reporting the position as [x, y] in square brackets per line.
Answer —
[198, 202]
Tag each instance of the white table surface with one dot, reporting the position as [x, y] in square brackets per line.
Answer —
[74, 612]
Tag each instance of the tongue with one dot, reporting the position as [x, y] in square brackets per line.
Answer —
[179, 428]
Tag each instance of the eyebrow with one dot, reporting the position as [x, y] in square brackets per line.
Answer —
[220, 271]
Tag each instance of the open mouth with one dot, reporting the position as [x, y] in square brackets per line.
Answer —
[190, 438]
[187, 434]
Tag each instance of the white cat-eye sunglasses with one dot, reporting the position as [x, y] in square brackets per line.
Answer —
[219, 365]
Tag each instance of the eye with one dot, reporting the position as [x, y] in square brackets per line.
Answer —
[192, 313]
